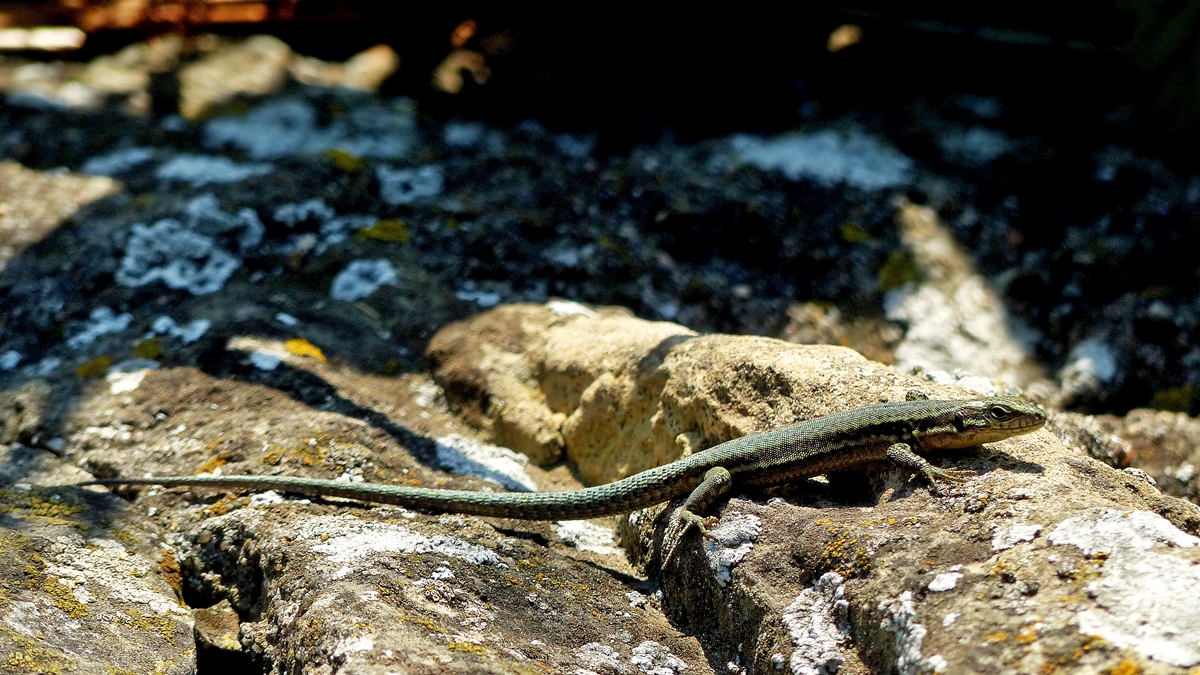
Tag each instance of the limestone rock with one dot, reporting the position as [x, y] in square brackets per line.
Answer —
[85, 582]
[217, 627]
[520, 372]
[1017, 568]
[1166, 445]
[257, 65]
[1047, 560]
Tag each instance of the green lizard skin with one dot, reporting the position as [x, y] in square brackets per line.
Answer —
[760, 460]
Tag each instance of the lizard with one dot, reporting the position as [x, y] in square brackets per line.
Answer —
[887, 431]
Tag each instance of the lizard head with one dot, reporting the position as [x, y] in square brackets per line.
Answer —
[986, 420]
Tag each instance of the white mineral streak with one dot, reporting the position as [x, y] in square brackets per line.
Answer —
[944, 582]
[1011, 536]
[587, 536]
[908, 635]
[653, 658]
[346, 540]
[818, 623]
[827, 157]
[101, 322]
[1146, 600]
[127, 375]
[568, 308]
[956, 322]
[464, 456]
[362, 278]
[735, 536]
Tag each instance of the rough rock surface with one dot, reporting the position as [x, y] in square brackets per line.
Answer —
[520, 372]
[956, 322]
[1045, 562]
[295, 586]
[33, 204]
[1014, 570]
[86, 584]
[1166, 445]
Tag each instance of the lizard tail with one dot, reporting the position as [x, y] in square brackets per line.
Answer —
[624, 496]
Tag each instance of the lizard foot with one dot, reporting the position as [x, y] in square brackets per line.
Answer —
[934, 474]
[705, 526]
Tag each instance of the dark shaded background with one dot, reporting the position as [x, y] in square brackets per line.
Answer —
[633, 69]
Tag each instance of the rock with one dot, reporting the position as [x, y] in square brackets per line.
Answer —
[24, 412]
[255, 66]
[1034, 564]
[520, 372]
[37, 203]
[1093, 437]
[364, 71]
[1166, 446]
[1008, 569]
[217, 627]
[381, 588]
[86, 584]
[326, 586]
[955, 320]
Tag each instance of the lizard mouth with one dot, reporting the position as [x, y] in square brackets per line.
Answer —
[1031, 423]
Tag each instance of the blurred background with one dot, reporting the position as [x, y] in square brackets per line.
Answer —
[635, 69]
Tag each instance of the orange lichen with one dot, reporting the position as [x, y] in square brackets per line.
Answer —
[214, 463]
[169, 568]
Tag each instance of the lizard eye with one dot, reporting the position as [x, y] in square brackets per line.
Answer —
[999, 412]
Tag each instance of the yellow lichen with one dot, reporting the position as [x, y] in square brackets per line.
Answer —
[427, 624]
[843, 553]
[346, 161]
[273, 456]
[467, 647]
[41, 660]
[214, 463]
[1178, 399]
[302, 347]
[1125, 667]
[150, 348]
[1086, 644]
[152, 624]
[897, 271]
[853, 233]
[63, 599]
[388, 229]
[54, 509]
[998, 636]
[224, 504]
[97, 367]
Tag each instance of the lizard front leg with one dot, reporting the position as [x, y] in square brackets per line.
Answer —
[902, 454]
[717, 481]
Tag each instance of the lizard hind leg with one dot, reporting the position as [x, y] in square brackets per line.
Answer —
[717, 482]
